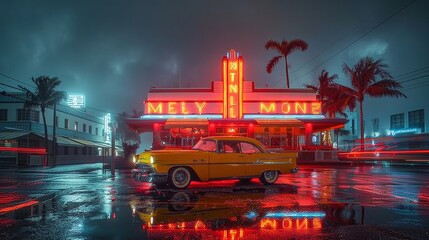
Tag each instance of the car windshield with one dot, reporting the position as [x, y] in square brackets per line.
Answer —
[205, 145]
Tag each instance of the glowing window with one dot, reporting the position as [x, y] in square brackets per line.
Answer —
[229, 147]
[249, 148]
[205, 145]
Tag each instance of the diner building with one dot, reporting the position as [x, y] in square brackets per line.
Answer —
[285, 119]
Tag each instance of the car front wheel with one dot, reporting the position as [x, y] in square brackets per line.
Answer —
[179, 178]
[269, 177]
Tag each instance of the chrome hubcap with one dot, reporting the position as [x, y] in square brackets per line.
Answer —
[270, 175]
[180, 177]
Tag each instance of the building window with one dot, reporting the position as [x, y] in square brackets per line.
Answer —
[3, 115]
[66, 123]
[96, 131]
[90, 129]
[27, 115]
[76, 126]
[84, 128]
[416, 119]
[397, 121]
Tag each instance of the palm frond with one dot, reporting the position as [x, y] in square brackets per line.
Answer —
[271, 44]
[386, 87]
[296, 44]
[273, 62]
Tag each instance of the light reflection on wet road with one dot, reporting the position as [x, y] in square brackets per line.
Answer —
[331, 202]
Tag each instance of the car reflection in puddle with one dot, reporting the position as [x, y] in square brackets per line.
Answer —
[238, 213]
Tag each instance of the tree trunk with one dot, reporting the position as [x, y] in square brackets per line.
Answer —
[362, 141]
[54, 138]
[46, 133]
[287, 74]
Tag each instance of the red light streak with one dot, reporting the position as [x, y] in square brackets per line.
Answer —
[18, 206]
[380, 154]
[40, 151]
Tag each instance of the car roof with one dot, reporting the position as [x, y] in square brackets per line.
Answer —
[236, 138]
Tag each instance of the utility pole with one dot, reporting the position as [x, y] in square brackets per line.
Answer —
[112, 163]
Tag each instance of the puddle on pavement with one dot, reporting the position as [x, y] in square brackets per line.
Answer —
[238, 213]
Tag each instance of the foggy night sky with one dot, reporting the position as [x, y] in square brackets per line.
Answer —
[114, 51]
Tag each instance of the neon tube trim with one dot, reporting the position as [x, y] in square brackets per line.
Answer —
[187, 116]
[295, 214]
[280, 116]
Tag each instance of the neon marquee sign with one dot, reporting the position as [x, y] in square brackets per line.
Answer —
[234, 111]
[231, 103]
[232, 77]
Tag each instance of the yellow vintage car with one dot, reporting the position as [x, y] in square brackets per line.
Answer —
[214, 158]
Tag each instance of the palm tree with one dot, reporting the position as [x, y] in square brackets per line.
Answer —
[130, 138]
[324, 92]
[369, 77]
[44, 96]
[284, 49]
[332, 100]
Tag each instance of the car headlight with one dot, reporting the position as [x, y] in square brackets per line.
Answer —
[152, 160]
[135, 158]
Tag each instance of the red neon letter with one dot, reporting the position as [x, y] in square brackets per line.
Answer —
[184, 110]
[315, 107]
[304, 224]
[233, 88]
[285, 107]
[172, 108]
[200, 106]
[287, 223]
[268, 224]
[317, 223]
[270, 108]
[300, 106]
[152, 109]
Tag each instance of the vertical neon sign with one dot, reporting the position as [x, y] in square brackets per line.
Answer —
[232, 74]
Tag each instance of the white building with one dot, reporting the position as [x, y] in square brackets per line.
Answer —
[81, 136]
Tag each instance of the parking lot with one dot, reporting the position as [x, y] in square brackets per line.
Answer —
[320, 201]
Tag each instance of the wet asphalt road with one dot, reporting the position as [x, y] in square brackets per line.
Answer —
[319, 202]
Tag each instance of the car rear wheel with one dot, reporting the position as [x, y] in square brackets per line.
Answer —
[179, 178]
[269, 177]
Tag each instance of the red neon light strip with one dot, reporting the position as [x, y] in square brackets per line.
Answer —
[225, 80]
[40, 151]
[240, 87]
[16, 207]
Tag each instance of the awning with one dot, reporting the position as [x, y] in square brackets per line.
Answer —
[12, 135]
[182, 123]
[85, 142]
[280, 122]
[67, 142]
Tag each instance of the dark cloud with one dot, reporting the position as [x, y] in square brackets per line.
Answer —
[114, 51]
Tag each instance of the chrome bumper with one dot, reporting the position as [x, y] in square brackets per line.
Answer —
[147, 174]
[294, 170]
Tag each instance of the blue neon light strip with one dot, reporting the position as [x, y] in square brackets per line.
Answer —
[188, 116]
[280, 116]
[295, 214]
[251, 215]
